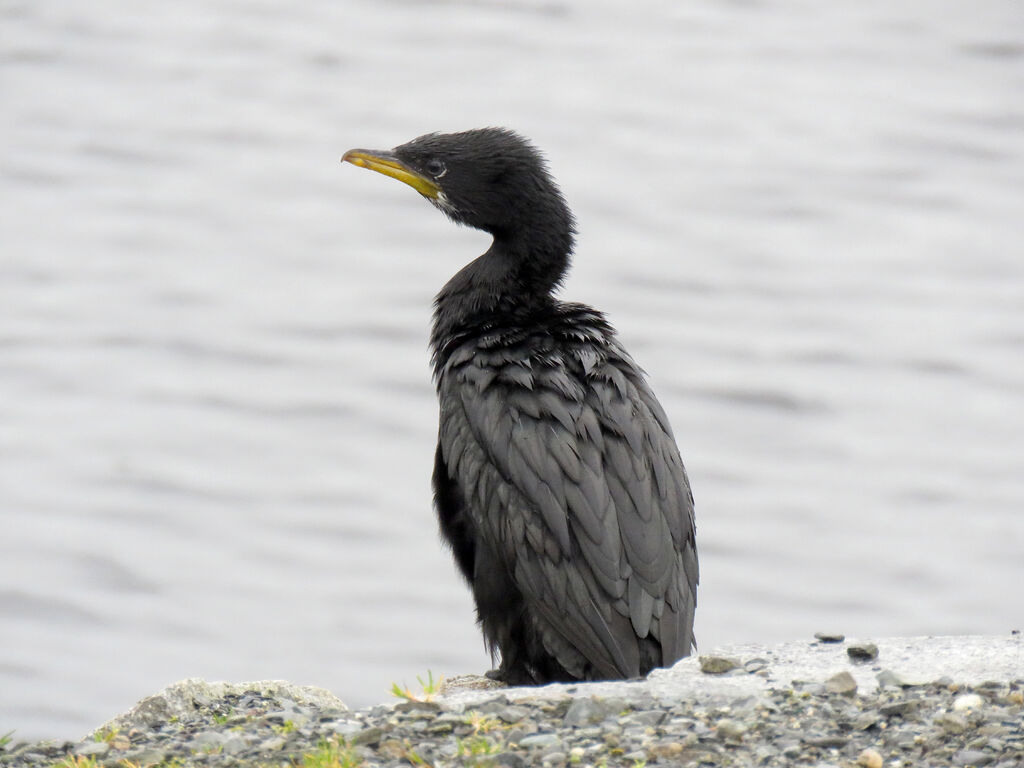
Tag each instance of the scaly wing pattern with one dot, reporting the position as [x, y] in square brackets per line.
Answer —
[570, 472]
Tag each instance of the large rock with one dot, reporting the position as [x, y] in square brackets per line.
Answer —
[965, 659]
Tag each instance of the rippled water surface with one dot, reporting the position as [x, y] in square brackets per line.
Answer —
[216, 417]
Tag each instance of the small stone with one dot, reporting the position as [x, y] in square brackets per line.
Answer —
[637, 756]
[951, 722]
[92, 749]
[718, 665]
[509, 760]
[439, 727]
[755, 665]
[367, 736]
[233, 744]
[791, 749]
[512, 714]
[827, 742]
[576, 754]
[539, 740]
[842, 683]
[899, 707]
[829, 637]
[421, 707]
[344, 728]
[862, 651]
[764, 753]
[589, 711]
[272, 744]
[972, 757]
[392, 748]
[646, 717]
[147, 756]
[665, 750]
[121, 742]
[968, 701]
[730, 730]
[889, 679]
[869, 758]
[207, 741]
[865, 720]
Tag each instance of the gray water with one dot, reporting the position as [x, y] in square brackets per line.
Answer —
[216, 419]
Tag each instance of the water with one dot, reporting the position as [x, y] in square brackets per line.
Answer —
[216, 418]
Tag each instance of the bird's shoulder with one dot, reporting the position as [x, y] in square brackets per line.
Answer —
[516, 346]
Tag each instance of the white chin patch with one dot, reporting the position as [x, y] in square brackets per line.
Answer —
[442, 203]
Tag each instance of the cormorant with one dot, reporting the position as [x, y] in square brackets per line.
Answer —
[557, 481]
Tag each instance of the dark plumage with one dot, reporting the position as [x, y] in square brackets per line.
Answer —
[557, 481]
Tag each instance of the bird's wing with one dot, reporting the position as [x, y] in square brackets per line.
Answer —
[570, 469]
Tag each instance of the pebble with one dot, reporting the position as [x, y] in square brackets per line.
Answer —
[940, 725]
[862, 651]
[540, 740]
[899, 708]
[829, 637]
[92, 749]
[972, 757]
[842, 683]
[730, 730]
[869, 758]
[951, 722]
[718, 665]
[755, 665]
[591, 710]
[889, 679]
[968, 701]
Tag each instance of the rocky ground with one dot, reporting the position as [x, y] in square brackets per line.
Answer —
[720, 710]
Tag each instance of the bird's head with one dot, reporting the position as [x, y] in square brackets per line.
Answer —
[489, 178]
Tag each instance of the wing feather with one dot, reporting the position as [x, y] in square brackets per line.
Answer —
[588, 502]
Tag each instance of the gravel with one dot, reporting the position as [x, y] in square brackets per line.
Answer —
[828, 722]
[918, 725]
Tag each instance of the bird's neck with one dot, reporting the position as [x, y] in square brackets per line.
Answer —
[508, 283]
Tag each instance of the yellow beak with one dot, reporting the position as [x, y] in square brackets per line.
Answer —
[386, 163]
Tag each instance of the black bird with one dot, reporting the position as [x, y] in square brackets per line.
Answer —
[557, 482]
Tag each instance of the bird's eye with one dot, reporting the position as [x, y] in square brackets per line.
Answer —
[435, 168]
